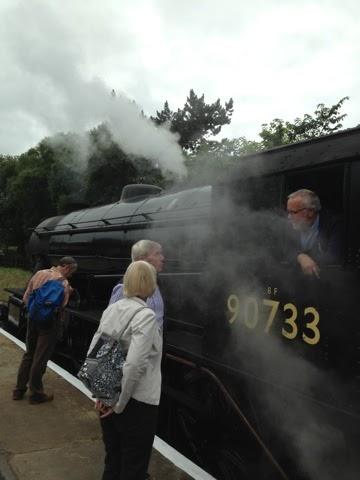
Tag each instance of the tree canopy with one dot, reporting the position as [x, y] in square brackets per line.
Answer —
[109, 169]
[324, 121]
[196, 119]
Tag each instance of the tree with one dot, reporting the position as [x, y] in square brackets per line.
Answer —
[66, 155]
[110, 169]
[214, 157]
[42, 181]
[195, 120]
[8, 171]
[325, 120]
[28, 202]
[150, 174]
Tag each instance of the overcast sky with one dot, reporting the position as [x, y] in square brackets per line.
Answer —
[276, 58]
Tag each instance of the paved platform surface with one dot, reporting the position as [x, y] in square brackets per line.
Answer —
[60, 440]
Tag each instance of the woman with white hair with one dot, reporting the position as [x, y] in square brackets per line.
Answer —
[129, 425]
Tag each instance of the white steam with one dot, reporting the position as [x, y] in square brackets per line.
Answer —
[48, 88]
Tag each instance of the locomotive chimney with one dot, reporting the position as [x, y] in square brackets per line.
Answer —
[130, 192]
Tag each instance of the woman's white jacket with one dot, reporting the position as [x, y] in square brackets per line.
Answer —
[130, 321]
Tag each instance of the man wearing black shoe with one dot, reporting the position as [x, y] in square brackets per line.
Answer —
[41, 337]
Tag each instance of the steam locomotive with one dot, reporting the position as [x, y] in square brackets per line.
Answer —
[261, 364]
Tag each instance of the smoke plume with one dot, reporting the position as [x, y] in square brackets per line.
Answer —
[49, 81]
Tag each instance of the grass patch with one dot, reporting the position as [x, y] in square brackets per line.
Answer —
[12, 277]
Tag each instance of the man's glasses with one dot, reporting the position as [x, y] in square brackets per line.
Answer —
[294, 212]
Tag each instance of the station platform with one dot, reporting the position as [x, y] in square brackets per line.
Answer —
[61, 440]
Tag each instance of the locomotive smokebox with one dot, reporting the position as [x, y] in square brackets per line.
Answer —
[130, 192]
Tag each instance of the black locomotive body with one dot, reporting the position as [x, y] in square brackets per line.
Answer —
[261, 370]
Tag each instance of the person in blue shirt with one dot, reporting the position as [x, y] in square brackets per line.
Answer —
[152, 253]
[318, 233]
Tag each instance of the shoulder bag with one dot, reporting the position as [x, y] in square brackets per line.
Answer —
[102, 371]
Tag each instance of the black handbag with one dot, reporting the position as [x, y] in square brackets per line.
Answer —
[102, 371]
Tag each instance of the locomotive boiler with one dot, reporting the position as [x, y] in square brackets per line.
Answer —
[261, 364]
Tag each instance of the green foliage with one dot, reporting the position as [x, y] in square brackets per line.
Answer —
[150, 174]
[29, 201]
[213, 158]
[110, 169]
[8, 171]
[12, 277]
[40, 180]
[195, 120]
[325, 120]
[65, 154]
[231, 148]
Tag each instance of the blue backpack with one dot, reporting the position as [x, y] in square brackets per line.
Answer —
[44, 301]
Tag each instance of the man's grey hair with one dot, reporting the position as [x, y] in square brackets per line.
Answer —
[64, 261]
[310, 199]
[142, 249]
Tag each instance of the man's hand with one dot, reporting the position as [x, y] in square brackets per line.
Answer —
[308, 265]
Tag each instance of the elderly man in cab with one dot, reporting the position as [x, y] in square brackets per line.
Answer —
[317, 233]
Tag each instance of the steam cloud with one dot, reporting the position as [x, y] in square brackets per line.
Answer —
[290, 390]
[55, 96]
[291, 382]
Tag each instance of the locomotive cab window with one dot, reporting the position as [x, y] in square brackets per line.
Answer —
[328, 185]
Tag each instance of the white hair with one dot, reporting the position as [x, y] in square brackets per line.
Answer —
[310, 199]
[142, 249]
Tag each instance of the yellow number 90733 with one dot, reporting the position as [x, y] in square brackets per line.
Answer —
[250, 309]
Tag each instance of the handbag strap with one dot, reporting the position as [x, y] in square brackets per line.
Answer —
[131, 318]
[96, 347]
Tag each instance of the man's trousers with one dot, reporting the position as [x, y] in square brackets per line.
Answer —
[40, 344]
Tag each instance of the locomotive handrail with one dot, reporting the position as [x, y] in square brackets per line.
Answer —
[237, 409]
[146, 215]
[175, 274]
[114, 227]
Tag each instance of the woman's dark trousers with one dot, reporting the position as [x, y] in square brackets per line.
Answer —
[128, 439]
